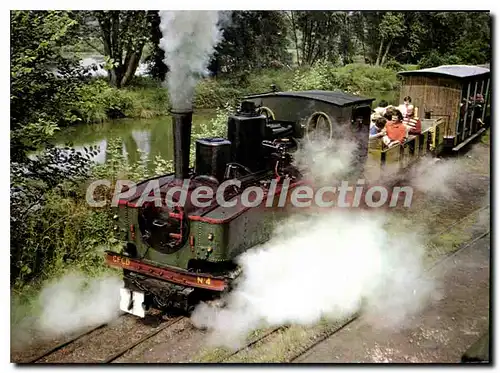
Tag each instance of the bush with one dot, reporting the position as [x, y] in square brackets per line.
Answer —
[353, 78]
[212, 93]
[97, 101]
[434, 59]
[394, 65]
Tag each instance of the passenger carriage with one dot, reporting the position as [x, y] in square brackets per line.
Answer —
[459, 94]
[453, 104]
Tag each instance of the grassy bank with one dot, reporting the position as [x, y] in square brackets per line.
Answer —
[146, 98]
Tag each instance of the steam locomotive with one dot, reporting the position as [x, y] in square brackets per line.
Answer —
[177, 253]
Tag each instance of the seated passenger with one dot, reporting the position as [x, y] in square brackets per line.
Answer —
[397, 132]
[405, 106]
[378, 129]
[380, 109]
[414, 124]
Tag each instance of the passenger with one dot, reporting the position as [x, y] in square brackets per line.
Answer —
[413, 124]
[463, 106]
[405, 106]
[378, 130]
[380, 109]
[378, 112]
[397, 132]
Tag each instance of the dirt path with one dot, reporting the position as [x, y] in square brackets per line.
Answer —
[441, 333]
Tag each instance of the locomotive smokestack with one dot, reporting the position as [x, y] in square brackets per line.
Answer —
[181, 127]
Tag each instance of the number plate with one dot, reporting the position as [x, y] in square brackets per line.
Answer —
[132, 302]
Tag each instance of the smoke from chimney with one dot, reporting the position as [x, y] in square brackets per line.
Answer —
[189, 41]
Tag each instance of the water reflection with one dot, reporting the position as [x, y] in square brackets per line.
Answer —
[150, 137]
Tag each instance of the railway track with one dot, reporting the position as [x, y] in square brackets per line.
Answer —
[61, 345]
[123, 351]
[73, 346]
[337, 328]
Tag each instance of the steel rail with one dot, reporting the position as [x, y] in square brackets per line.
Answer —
[123, 351]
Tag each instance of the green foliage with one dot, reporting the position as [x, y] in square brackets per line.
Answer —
[43, 86]
[409, 37]
[353, 78]
[394, 65]
[39, 97]
[61, 231]
[217, 127]
[212, 93]
[435, 59]
[320, 76]
[123, 35]
[391, 25]
[98, 101]
[252, 40]
[64, 231]
[320, 35]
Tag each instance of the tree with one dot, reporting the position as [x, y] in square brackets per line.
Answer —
[346, 37]
[316, 34]
[43, 81]
[158, 69]
[43, 86]
[123, 34]
[252, 40]
[391, 27]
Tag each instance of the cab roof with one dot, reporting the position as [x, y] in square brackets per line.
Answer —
[336, 98]
[455, 71]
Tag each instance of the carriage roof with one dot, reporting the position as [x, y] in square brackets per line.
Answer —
[454, 71]
[336, 98]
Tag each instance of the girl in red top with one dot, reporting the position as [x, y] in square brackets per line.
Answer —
[396, 130]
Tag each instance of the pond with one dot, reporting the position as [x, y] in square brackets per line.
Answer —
[149, 136]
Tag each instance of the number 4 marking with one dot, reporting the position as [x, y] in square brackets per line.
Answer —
[201, 280]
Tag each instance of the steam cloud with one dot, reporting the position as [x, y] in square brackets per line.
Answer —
[315, 160]
[438, 178]
[189, 40]
[322, 265]
[72, 303]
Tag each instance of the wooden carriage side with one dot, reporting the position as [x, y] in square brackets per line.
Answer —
[457, 93]
[435, 97]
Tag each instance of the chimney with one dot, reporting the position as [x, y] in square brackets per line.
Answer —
[181, 127]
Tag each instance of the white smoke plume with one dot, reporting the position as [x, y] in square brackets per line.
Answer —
[76, 301]
[325, 162]
[70, 304]
[189, 41]
[448, 177]
[323, 265]
[438, 177]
